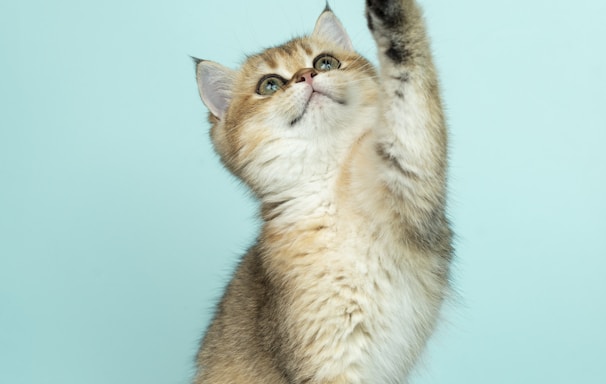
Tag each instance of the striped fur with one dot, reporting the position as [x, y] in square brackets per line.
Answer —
[345, 281]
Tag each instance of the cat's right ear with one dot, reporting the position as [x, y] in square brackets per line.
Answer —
[215, 84]
[328, 27]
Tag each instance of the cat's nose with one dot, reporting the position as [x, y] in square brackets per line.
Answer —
[305, 75]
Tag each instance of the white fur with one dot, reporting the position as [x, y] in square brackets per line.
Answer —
[364, 298]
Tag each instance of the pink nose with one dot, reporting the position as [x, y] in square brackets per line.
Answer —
[305, 75]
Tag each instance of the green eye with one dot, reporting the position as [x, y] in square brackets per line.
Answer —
[326, 62]
[270, 84]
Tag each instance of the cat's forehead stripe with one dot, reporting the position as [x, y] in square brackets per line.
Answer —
[293, 52]
[269, 59]
[288, 48]
[306, 47]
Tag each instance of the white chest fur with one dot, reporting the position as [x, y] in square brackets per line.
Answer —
[363, 304]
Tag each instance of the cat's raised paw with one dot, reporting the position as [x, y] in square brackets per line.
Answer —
[389, 12]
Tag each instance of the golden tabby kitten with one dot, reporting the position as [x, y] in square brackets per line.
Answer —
[346, 279]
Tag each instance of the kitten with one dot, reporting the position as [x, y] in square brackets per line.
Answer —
[346, 279]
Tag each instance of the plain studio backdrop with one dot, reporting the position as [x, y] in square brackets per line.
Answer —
[119, 228]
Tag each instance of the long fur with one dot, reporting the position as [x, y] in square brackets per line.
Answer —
[345, 281]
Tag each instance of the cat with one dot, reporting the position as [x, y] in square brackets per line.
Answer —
[346, 279]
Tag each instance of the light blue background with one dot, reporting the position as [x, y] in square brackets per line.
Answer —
[119, 229]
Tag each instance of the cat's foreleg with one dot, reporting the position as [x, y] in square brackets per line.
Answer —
[411, 139]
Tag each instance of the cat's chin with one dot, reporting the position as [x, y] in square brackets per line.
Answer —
[317, 96]
[317, 100]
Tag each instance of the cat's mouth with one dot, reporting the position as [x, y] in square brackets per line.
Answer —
[314, 95]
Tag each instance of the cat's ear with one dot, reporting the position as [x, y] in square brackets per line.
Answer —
[215, 83]
[328, 27]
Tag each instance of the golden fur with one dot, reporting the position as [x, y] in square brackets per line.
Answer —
[345, 281]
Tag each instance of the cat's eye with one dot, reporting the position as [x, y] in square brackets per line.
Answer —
[270, 84]
[326, 62]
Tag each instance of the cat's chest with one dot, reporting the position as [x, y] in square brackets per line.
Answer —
[394, 303]
[366, 302]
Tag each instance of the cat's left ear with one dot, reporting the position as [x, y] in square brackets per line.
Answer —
[215, 83]
[328, 27]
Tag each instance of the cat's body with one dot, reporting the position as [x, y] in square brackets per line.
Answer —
[346, 279]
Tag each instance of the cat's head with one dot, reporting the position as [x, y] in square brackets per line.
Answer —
[291, 114]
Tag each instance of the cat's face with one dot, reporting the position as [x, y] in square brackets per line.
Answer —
[291, 114]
